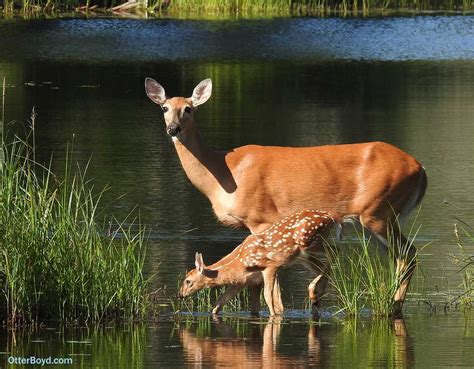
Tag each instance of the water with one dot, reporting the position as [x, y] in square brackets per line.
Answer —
[301, 81]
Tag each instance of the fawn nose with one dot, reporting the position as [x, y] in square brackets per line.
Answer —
[173, 129]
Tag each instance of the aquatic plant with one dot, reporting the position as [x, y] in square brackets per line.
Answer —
[203, 301]
[466, 261]
[238, 8]
[346, 279]
[363, 274]
[55, 260]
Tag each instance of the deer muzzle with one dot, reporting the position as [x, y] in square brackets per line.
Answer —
[174, 129]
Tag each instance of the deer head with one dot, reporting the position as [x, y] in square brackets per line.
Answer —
[197, 279]
[178, 111]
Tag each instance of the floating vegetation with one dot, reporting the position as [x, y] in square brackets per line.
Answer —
[55, 260]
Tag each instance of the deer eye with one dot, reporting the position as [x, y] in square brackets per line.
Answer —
[187, 109]
[165, 109]
[188, 282]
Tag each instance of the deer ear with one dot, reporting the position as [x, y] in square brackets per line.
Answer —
[199, 262]
[155, 91]
[202, 92]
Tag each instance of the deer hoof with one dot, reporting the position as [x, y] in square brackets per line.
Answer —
[397, 310]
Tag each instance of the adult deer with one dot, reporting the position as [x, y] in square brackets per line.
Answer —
[298, 237]
[255, 186]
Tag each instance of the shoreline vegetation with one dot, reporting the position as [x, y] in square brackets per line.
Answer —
[57, 262]
[228, 9]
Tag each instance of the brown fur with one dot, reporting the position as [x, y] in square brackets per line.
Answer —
[297, 237]
[254, 186]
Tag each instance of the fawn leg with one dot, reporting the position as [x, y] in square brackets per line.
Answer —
[277, 302]
[269, 276]
[316, 288]
[255, 299]
[229, 293]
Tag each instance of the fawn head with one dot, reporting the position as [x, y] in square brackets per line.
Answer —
[178, 111]
[196, 279]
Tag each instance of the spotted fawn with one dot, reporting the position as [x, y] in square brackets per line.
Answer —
[296, 238]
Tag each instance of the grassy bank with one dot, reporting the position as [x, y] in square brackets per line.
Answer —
[55, 260]
[235, 8]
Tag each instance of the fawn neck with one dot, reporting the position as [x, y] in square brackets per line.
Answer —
[229, 269]
[205, 168]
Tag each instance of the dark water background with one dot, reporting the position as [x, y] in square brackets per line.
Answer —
[299, 82]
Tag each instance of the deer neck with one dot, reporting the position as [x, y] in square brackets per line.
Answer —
[229, 270]
[205, 168]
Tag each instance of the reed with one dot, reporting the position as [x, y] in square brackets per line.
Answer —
[55, 260]
[365, 275]
[346, 280]
[203, 302]
[465, 260]
[222, 9]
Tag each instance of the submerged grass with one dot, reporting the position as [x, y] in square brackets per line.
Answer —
[55, 261]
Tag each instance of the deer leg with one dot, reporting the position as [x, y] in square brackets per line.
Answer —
[229, 293]
[269, 276]
[255, 299]
[318, 285]
[277, 302]
[405, 264]
[404, 255]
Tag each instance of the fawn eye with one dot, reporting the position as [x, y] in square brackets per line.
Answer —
[165, 109]
[187, 109]
[188, 282]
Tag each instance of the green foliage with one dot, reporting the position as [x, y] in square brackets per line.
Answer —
[203, 301]
[466, 261]
[364, 275]
[55, 262]
[219, 9]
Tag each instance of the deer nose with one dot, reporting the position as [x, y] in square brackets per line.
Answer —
[180, 296]
[173, 129]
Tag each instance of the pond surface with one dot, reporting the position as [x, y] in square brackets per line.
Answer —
[299, 82]
[262, 343]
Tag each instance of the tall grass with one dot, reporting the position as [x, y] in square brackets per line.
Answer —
[203, 302]
[465, 259]
[363, 275]
[295, 7]
[346, 280]
[55, 261]
[245, 8]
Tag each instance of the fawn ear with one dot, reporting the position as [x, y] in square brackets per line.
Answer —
[202, 92]
[199, 262]
[155, 91]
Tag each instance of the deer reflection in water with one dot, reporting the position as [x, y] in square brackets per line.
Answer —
[266, 346]
[258, 350]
